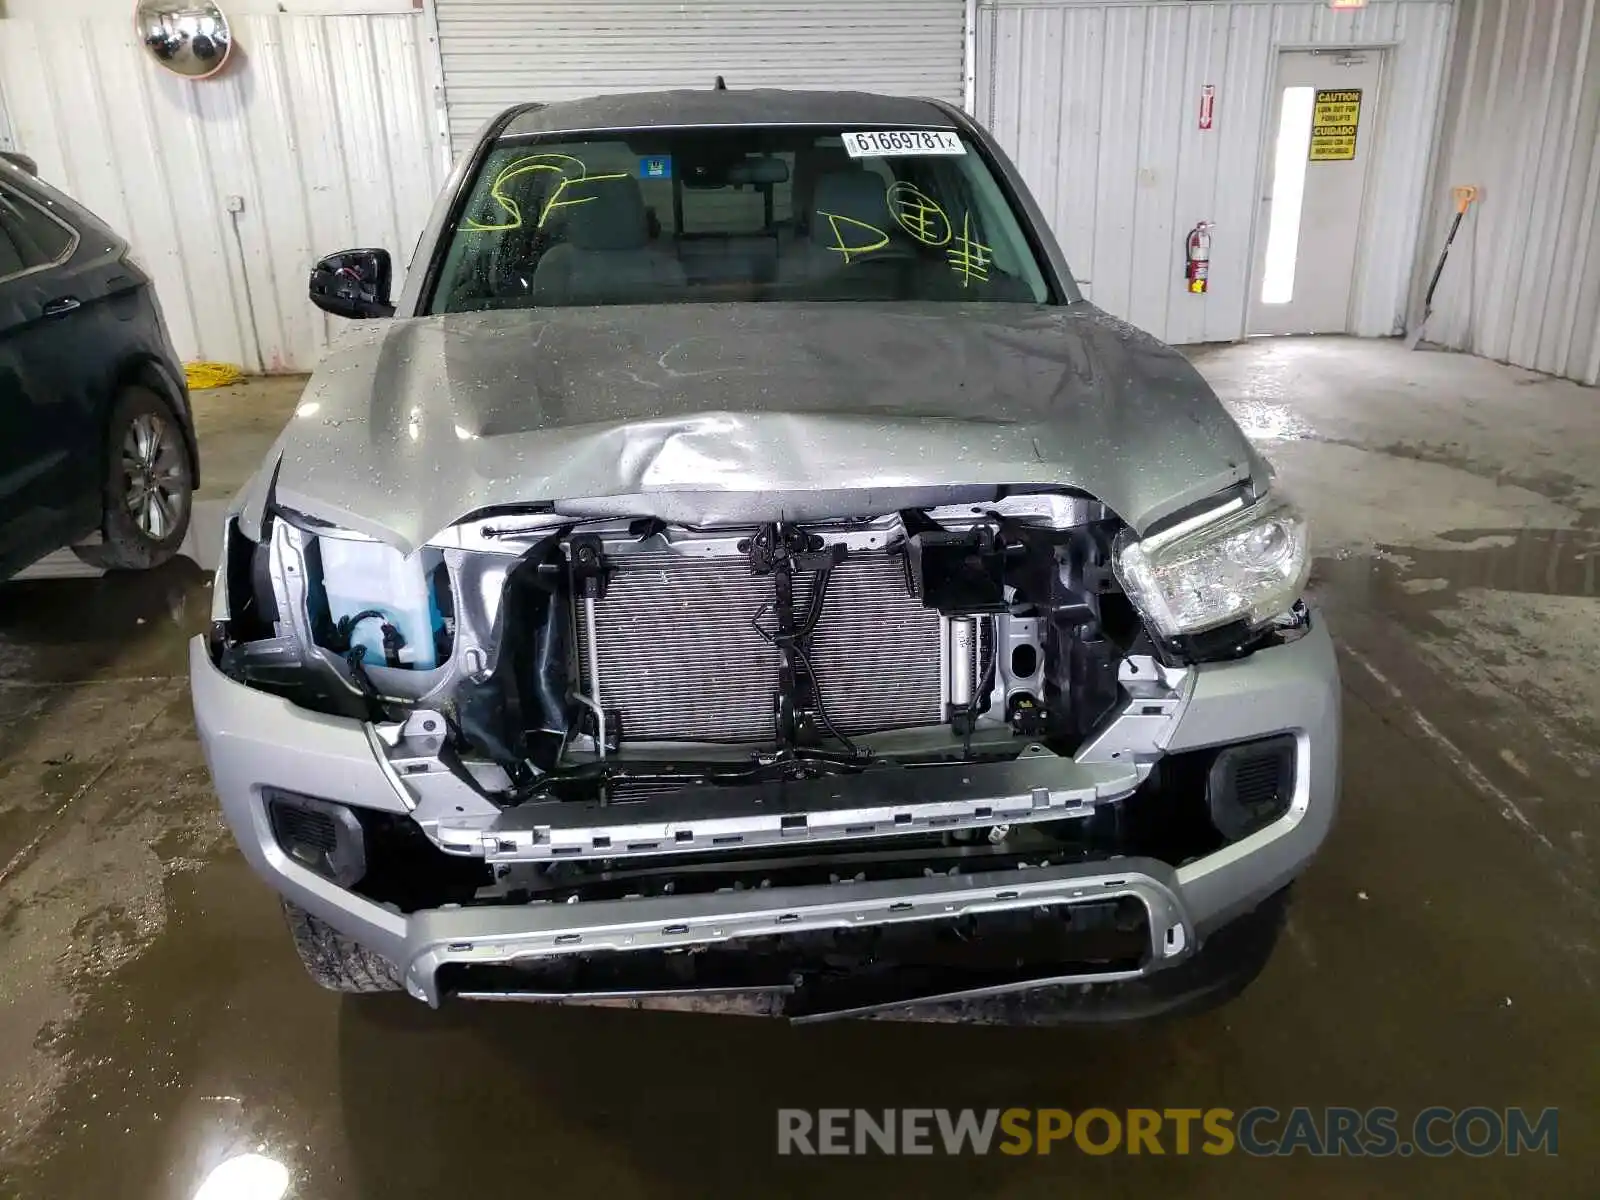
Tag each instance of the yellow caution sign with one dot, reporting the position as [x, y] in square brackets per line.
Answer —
[1335, 122]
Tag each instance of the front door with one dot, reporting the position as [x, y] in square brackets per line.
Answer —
[47, 463]
[1324, 131]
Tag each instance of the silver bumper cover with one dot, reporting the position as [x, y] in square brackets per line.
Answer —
[509, 935]
[253, 740]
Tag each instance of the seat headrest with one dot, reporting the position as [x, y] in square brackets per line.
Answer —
[810, 164]
[610, 215]
[853, 195]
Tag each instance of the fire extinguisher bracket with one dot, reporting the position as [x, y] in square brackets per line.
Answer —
[1197, 258]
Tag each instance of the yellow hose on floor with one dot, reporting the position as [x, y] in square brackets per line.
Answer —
[212, 375]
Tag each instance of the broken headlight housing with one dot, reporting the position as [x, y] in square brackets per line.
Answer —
[1248, 565]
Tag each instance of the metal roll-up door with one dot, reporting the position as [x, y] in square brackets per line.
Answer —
[500, 52]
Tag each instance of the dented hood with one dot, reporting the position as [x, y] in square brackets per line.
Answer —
[746, 411]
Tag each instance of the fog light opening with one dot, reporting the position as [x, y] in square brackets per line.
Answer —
[318, 835]
[1251, 785]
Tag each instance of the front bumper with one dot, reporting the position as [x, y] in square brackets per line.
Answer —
[253, 740]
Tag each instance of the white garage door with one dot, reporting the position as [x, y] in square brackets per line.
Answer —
[501, 52]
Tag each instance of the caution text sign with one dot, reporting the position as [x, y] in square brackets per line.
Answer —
[1335, 123]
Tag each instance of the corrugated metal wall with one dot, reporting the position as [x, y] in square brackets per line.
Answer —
[1099, 103]
[1523, 282]
[323, 125]
[500, 52]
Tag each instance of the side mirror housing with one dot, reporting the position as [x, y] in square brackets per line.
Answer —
[354, 284]
[20, 161]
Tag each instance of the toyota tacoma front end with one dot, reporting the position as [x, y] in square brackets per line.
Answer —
[596, 631]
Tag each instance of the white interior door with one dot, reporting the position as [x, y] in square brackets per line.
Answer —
[1324, 126]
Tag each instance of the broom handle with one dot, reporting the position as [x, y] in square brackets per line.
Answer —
[1438, 271]
[1464, 200]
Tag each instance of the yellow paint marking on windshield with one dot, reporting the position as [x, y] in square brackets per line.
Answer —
[918, 214]
[562, 165]
[970, 259]
[835, 220]
[556, 201]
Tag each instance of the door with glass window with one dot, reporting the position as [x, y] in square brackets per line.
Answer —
[1322, 138]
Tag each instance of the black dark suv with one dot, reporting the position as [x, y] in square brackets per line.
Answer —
[96, 434]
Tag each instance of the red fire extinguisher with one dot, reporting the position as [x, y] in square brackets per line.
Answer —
[1198, 269]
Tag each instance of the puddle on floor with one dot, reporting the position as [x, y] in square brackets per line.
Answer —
[1266, 421]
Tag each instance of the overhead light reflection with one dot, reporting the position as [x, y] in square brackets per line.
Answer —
[309, 409]
[245, 1177]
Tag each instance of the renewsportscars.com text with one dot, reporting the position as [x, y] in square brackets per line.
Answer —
[1261, 1132]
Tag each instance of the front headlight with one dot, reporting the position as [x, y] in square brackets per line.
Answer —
[1247, 566]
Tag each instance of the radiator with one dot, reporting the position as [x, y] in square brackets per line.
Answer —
[681, 660]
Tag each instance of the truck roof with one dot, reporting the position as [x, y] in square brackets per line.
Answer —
[717, 107]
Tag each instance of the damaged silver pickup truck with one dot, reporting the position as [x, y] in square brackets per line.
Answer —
[740, 571]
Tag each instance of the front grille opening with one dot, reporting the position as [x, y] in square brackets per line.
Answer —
[408, 871]
[1166, 819]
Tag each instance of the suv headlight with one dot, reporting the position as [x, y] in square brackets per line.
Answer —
[1249, 565]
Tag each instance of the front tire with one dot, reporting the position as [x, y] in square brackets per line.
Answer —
[333, 960]
[148, 493]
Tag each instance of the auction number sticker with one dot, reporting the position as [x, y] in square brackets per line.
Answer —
[883, 142]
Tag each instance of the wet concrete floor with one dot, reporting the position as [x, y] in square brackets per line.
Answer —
[1443, 950]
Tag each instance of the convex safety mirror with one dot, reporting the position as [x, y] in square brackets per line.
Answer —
[188, 37]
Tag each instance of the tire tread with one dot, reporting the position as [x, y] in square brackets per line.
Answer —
[335, 961]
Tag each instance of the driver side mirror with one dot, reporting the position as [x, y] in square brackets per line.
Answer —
[354, 284]
[20, 161]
